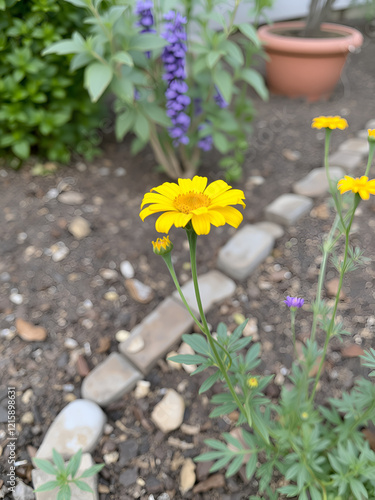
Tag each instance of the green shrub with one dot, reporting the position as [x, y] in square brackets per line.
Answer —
[44, 109]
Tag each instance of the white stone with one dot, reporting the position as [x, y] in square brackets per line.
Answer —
[70, 343]
[370, 124]
[288, 208]
[348, 160]
[23, 492]
[79, 425]
[143, 389]
[355, 145]
[275, 230]
[79, 228]
[240, 256]
[213, 286]
[71, 198]
[316, 183]
[40, 477]
[187, 349]
[110, 380]
[135, 345]
[16, 298]
[168, 414]
[108, 274]
[59, 251]
[127, 269]
[122, 335]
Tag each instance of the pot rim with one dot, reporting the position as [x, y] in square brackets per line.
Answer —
[351, 39]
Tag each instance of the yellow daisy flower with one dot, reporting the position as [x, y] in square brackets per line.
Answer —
[162, 246]
[192, 200]
[362, 186]
[331, 122]
[252, 382]
[371, 134]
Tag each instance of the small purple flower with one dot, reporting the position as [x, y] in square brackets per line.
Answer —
[219, 99]
[294, 302]
[205, 143]
[146, 18]
[174, 64]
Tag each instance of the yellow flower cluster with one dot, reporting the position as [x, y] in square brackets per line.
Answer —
[361, 185]
[331, 122]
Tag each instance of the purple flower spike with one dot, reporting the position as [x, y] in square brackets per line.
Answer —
[219, 99]
[294, 302]
[146, 18]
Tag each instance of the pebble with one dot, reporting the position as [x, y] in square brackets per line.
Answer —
[251, 329]
[59, 251]
[127, 269]
[213, 482]
[291, 155]
[16, 298]
[168, 414]
[26, 396]
[70, 343]
[51, 194]
[186, 349]
[108, 274]
[173, 364]
[139, 291]
[29, 332]
[187, 476]
[122, 335]
[79, 228]
[111, 458]
[79, 425]
[128, 477]
[23, 492]
[136, 345]
[111, 296]
[332, 287]
[71, 198]
[352, 351]
[27, 418]
[119, 172]
[142, 389]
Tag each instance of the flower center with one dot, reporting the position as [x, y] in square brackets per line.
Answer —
[188, 202]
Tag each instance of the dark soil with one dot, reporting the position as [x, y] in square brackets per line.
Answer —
[53, 292]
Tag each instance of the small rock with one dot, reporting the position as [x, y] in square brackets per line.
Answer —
[251, 329]
[320, 212]
[352, 351]
[203, 470]
[104, 345]
[70, 343]
[27, 418]
[173, 364]
[23, 492]
[59, 251]
[82, 366]
[190, 430]
[332, 287]
[111, 458]
[111, 296]
[71, 198]
[213, 482]
[79, 228]
[122, 335]
[239, 318]
[108, 274]
[29, 332]
[168, 414]
[187, 476]
[127, 269]
[291, 155]
[136, 345]
[26, 396]
[186, 349]
[16, 298]
[128, 477]
[128, 451]
[142, 389]
[139, 291]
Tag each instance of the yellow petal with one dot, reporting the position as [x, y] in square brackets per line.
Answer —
[232, 216]
[364, 194]
[216, 218]
[216, 188]
[156, 198]
[168, 219]
[201, 223]
[186, 185]
[168, 189]
[200, 183]
[232, 197]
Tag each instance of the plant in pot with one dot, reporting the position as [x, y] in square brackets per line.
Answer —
[305, 58]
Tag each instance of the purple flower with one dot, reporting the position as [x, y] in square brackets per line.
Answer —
[146, 18]
[294, 302]
[219, 99]
[205, 143]
[173, 57]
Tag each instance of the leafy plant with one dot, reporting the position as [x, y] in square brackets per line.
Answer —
[44, 109]
[180, 84]
[65, 474]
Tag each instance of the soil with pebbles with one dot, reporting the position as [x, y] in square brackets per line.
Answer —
[68, 297]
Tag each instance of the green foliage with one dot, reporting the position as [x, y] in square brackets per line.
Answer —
[44, 108]
[117, 56]
[65, 474]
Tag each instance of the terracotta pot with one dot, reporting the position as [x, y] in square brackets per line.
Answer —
[306, 67]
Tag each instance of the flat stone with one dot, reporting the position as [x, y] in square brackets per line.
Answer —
[40, 477]
[213, 286]
[348, 160]
[71, 198]
[128, 451]
[159, 331]
[316, 183]
[79, 228]
[288, 208]
[240, 256]
[273, 229]
[79, 425]
[139, 291]
[24, 492]
[110, 380]
[128, 477]
[355, 145]
[168, 414]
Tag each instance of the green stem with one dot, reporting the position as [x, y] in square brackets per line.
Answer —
[293, 328]
[370, 155]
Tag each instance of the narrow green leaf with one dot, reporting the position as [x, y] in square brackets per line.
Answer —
[45, 466]
[216, 445]
[63, 47]
[234, 53]
[197, 342]
[256, 81]
[142, 127]
[223, 81]
[188, 359]
[124, 123]
[78, 3]
[82, 485]
[221, 463]
[73, 464]
[251, 465]
[209, 382]
[58, 460]
[91, 471]
[210, 455]
[157, 115]
[212, 58]
[223, 410]
[48, 486]
[235, 466]
[97, 78]
[123, 58]
[250, 32]
[64, 493]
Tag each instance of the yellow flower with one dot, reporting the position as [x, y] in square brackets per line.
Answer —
[304, 415]
[362, 186]
[252, 382]
[192, 200]
[162, 246]
[371, 134]
[331, 122]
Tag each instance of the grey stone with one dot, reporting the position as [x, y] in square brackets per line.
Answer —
[128, 451]
[273, 229]
[71, 198]
[128, 477]
[79, 425]
[288, 208]
[362, 134]
[355, 145]
[240, 256]
[23, 492]
[370, 124]
[347, 160]
[110, 380]
[213, 286]
[316, 183]
[40, 477]
[159, 331]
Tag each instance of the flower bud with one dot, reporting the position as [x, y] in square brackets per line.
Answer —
[371, 135]
[162, 246]
[252, 382]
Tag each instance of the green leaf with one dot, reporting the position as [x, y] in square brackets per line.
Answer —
[124, 89]
[209, 382]
[212, 58]
[147, 41]
[97, 78]
[235, 466]
[223, 81]
[48, 486]
[64, 47]
[223, 410]
[78, 3]
[188, 359]
[197, 342]
[21, 149]
[123, 58]
[82, 485]
[91, 471]
[221, 463]
[124, 123]
[358, 490]
[234, 53]
[221, 143]
[256, 81]
[251, 465]
[315, 493]
[216, 445]
[157, 115]
[250, 32]
[142, 127]
[252, 355]
[73, 464]
[259, 423]
[64, 493]
[58, 460]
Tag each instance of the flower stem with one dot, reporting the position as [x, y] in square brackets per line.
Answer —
[370, 156]
[293, 328]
